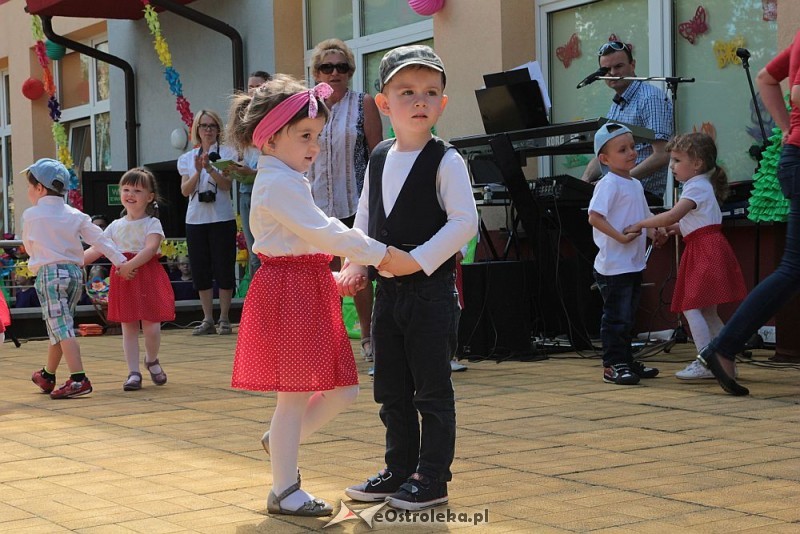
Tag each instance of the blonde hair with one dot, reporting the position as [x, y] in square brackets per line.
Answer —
[247, 110]
[329, 46]
[195, 136]
[700, 146]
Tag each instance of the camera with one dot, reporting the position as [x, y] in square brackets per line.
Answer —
[207, 196]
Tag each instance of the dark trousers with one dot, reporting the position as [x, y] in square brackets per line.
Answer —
[621, 294]
[779, 287]
[413, 336]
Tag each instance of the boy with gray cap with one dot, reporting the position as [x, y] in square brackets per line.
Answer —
[618, 199]
[417, 197]
[51, 233]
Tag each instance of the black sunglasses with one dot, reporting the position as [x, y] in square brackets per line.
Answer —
[616, 46]
[327, 68]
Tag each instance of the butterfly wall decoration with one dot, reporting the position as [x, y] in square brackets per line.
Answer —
[698, 25]
[570, 51]
[725, 51]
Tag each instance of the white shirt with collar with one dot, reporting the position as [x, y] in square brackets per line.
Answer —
[52, 232]
[286, 222]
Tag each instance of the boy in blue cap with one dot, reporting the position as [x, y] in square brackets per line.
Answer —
[618, 199]
[51, 233]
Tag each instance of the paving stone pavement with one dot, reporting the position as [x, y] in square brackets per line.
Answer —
[542, 447]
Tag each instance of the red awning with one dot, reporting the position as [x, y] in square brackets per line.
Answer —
[100, 9]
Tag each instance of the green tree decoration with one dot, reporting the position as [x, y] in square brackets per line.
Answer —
[767, 203]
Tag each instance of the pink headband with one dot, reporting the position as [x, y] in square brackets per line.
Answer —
[283, 112]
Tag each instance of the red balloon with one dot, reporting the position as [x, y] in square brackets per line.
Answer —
[32, 89]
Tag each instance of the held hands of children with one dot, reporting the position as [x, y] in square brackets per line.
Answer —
[658, 236]
[353, 278]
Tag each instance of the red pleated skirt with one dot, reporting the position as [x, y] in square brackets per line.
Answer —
[148, 297]
[709, 272]
[291, 336]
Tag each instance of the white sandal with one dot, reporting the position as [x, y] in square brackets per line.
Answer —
[367, 352]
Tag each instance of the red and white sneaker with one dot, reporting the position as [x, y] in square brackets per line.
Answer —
[72, 389]
[45, 384]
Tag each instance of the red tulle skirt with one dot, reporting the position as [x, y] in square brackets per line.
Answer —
[148, 297]
[709, 273]
[291, 336]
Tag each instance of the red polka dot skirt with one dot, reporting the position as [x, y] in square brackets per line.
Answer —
[147, 297]
[709, 272]
[291, 336]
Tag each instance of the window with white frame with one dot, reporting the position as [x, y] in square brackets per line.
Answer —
[84, 92]
[678, 38]
[370, 28]
[7, 192]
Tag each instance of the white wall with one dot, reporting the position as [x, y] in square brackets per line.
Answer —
[202, 57]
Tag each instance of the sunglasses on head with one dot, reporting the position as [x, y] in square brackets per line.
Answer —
[615, 46]
[327, 68]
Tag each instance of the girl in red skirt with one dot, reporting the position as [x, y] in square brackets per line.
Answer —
[292, 338]
[709, 273]
[140, 290]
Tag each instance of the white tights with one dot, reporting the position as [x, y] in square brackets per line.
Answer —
[130, 343]
[705, 325]
[297, 416]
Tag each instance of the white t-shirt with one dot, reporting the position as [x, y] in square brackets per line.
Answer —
[622, 202]
[286, 222]
[454, 192]
[207, 212]
[700, 191]
[130, 236]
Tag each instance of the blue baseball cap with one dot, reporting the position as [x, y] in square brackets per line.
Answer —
[606, 133]
[48, 171]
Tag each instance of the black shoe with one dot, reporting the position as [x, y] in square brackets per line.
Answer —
[710, 360]
[376, 488]
[642, 371]
[620, 374]
[417, 493]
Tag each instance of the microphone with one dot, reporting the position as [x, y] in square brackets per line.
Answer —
[742, 53]
[602, 71]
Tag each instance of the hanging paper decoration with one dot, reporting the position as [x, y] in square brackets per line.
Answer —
[426, 8]
[59, 134]
[570, 51]
[55, 51]
[170, 74]
[767, 203]
[32, 89]
[769, 9]
[696, 26]
[725, 51]
[613, 37]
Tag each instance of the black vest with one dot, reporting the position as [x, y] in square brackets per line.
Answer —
[416, 215]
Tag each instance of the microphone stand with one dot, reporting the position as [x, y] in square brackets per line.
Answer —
[673, 82]
[755, 341]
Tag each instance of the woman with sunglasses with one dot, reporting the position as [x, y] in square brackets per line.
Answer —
[352, 131]
[210, 221]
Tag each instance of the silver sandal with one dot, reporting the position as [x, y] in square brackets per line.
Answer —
[367, 352]
[204, 328]
[310, 508]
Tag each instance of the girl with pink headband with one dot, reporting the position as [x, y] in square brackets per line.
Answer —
[291, 337]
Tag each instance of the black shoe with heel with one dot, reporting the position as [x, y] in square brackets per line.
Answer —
[710, 360]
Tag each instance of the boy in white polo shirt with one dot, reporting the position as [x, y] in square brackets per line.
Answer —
[618, 199]
[51, 233]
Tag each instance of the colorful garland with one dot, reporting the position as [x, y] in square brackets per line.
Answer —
[171, 75]
[59, 133]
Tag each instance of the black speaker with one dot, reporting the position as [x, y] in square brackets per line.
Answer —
[496, 320]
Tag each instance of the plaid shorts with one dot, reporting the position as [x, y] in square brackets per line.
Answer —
[59, 286]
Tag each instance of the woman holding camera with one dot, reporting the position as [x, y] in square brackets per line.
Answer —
[210, 220]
